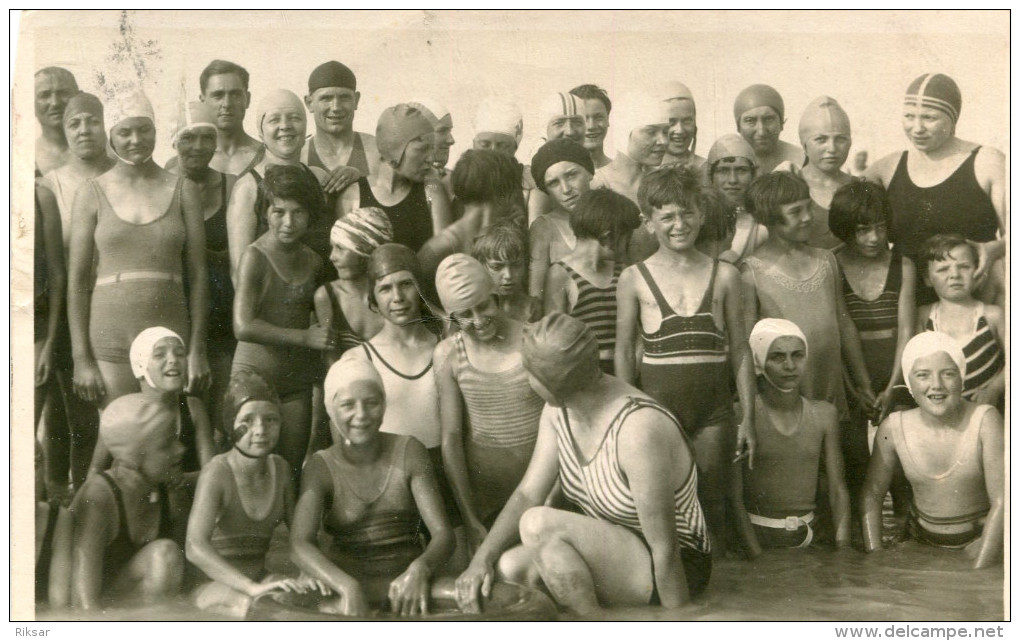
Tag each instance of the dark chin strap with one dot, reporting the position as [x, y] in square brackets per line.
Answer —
[243, 453]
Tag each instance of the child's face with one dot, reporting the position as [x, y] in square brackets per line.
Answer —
[257, 428]
[733, 176]
[288, 220]
[396, 296]
[359, 411]
[936, 384]
[349, 265]
[794, 224]
[675, 226]
[566, 182]
[952, 278]
[168, 365]
[482, 322]
[508, 276]
[784, 363]
[871, 240]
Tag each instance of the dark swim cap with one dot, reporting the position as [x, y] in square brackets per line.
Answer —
[559, 150]
[561, 352]
[937, 91]
[244, 386]
[332, 74]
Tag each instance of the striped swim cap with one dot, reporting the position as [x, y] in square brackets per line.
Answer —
[362, 230]
[937, 91]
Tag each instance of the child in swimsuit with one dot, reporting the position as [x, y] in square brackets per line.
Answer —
[687, 308]
[952, 452]
[276, 282]
[242, 496]
[794, 435]
[949, 263]
[503, 249]
[583, 283]
[121, 548]
[562, 169]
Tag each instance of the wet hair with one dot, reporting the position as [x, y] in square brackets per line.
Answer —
[220, 68]
[670, 185]
[505, 241]
[593, 92]
[938, 247]
[482, 175]
[720, 215]
[58, 72]
[603, 211]
[293, 182]
[769, 192]
[855, 204]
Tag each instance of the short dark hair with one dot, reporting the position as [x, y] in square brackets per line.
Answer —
[505, 241]
[601, 211]
[720, 215]
[669, 185]
[482, 175]
[938, 247]
[769, 192]
[219, 68]
[593, 92]
[295, 183]
[855, 204]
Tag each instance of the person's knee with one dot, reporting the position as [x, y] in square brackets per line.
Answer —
[537, 525]
[164, 567]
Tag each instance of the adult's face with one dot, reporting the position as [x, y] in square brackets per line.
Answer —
[596, 124]
[928, 129]
[936, 384]
[443, 141]
[647, 145]
[733, 176]
[396, 296]
[195, 148]
[283, 131]
[417, 159]
[682, 126]
[761, 127]
[827, 148]
[566, 127]
[86, 135]
[134, 139]
[333, 109]
[492, 141]
[567, 181]
[228, 98]
[52, 91]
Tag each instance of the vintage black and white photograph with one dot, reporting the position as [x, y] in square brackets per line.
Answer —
[467, 315]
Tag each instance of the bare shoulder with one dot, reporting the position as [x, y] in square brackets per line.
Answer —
[441, 354]
[989, 159]
[728, 275]
[992, 425]
[881, 171]
[824, 414]
[995, 315]
[540, 227]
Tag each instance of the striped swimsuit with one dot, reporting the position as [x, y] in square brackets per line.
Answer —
[600, 488]
[684, 365]
[877, 321]
[596, 308]
[502, 426]
[984, 354]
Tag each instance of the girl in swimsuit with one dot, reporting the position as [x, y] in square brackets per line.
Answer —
[276, 283]
[952, 452]
[224, 540]
[370, 491]
[621, 457]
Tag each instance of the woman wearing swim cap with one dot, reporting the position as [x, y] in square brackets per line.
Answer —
[623, 459]
[952, 452]
[947, 185]
[683, 125]
[760, 115]
[136, 231]
[731, 166]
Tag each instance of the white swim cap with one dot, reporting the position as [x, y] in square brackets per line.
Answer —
[141, 350]
[926, 344]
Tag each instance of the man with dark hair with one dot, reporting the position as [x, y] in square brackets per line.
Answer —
[54, 86]
[333, 99]
[596, 121]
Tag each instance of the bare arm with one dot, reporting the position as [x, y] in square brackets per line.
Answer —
[905, 320]
[439, 205]
[990, 171]
[556, 283]
[740, 359]
[324, 319]
[253, 271]
[849, 339]
[56, 276]
[242, 221]
[198, 285]
[839, 497]
[88, 382]
[627, 320]
[749, 299]
[538, 238]
[881, 468]
[203, 430]
[95, 521]
[993, 461]
[923, 313]
[539, 203]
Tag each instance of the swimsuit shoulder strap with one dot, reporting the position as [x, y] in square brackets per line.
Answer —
[118, 498]
[894, 281]
[664, 309]
[706, 301]
[458, 340]
[334, 302]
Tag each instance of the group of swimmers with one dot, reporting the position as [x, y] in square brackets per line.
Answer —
[587, 376]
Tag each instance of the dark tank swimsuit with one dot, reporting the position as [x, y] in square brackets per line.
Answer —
[358, 160]
[122, 549]
[411, 218]
[221, 288]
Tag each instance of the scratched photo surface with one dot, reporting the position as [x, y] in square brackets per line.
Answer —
[864, 60]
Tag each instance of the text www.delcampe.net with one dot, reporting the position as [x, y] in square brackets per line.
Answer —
[919, 632]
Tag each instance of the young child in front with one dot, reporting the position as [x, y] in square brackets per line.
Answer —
[794, 435]
[687, 309]
[583, 283]
[949, 265]
[503, 249]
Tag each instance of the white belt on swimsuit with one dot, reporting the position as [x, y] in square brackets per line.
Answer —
[139, 275]
[790, 524]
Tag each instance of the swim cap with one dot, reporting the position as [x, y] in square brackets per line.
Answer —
[83, 103]
[244, 386]
[132, 104]
[278, 99]
[559, 150]
[362, 230]
[634, 111]
[141, 350]
[498, 117]
[462, 282]
[764, 333]
[345, 371]
[435, 112]
[926, 344]
[332, 74]
[674, 90]
[823, 114]
[390, 258]
[558, 105]
[561, 352]
[195, 115]
[131, 421]
[937, 91]
[731, 146]
[758, 96]
[397, 127]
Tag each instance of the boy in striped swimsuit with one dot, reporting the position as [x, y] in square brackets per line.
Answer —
[688, 310]
[583, 283]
